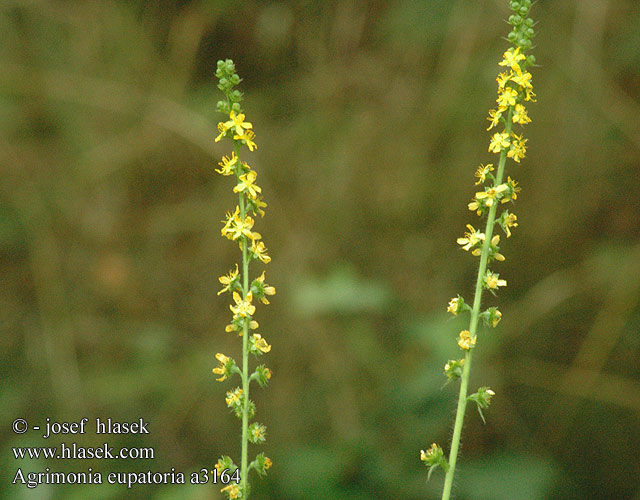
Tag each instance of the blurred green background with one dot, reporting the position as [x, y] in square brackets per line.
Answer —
[370, 121]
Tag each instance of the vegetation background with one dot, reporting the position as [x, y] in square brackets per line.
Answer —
[370, 121]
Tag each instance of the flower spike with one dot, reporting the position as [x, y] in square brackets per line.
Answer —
[238, 227]
[515, 90]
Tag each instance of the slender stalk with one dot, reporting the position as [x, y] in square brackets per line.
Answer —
[473, 325]
[245, 352]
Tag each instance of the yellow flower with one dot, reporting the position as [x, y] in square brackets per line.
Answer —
[494, 248]
[260, 343]
[259, 206]
[247, 137]
[491, 194]
[227, 164]
[237, 123]
[267, 463]
[260, 251]
[530, 96]
[247, 183]
[507, 97]
[229, 222]
[499, 141]
[510, 221]
[493, 282]
[465, 341]
[497, 316]
[264, 288]
[243, 308]
[520, 115]
[236, 326]
[221, 369]
[518, 148]
[494, 118]
[503, 78]
[222, 128]
[228, 280]
[236, 227]
[233, 397]
[511, 58]
[514, 189]
[474, 205]
[453, 306]
[233, 490]
[523, 79]
[471, 239]
[482, 172]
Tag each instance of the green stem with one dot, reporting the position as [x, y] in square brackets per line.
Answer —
[244, 480]
[473, 325]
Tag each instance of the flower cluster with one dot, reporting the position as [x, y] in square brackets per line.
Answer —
[515, 92]
[238, 226]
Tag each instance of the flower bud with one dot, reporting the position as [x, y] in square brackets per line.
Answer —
[491, 317]
[225, 462]
[261, 464]
[257, 433]
[482, 398]
[262, 375]
[433, 458]
[457, 305]
[453, 369]
[466, 341]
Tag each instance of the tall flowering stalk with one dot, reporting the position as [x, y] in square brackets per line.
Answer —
[514, 90]
[238, 226]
